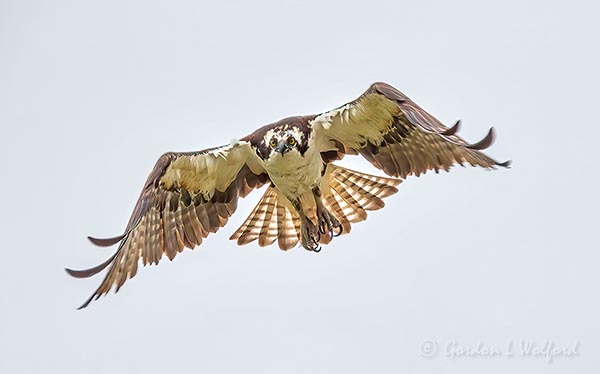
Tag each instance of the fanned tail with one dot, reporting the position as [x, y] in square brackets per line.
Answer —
[272, 219]
[349, 194]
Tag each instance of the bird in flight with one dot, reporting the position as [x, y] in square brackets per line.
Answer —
[309, 199]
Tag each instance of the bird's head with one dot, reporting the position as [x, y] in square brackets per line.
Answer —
[280, 141]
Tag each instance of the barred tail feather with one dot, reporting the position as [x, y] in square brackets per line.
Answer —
[288, 227]
[349, 194]
[271, 220]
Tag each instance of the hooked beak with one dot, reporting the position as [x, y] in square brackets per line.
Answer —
[283, 148]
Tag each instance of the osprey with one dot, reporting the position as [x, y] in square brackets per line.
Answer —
[309, 200]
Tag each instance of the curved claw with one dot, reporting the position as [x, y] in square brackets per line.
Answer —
[340, 232]
[314, 248]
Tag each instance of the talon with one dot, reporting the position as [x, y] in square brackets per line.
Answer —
[321, 230]
[331, 236]
[340, 232]
[310, 246]
[314, 248]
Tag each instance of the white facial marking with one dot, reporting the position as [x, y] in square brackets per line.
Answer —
[294, 174]
[283, 133]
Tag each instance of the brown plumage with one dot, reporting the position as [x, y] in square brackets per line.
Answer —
[348, 194]
[309, 199]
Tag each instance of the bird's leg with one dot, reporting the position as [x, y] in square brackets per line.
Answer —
[326, 221]
[309, 235]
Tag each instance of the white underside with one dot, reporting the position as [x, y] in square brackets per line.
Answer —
[293, 174]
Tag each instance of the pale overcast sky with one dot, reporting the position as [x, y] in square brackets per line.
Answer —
[91, 93]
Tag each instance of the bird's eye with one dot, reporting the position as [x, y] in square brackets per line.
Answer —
[291, 141]
[273, 142]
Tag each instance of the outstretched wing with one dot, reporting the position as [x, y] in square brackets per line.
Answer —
[396, 135]
[186, 197]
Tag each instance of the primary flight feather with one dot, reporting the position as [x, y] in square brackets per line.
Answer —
[309, 200]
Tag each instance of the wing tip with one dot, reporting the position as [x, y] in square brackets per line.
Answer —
[452, 130]
[73, 273]
[85, 304]
[106, 242]
[506, 164]
[86, 273]
[484, 143]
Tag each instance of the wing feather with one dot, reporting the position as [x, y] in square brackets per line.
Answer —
[186, 197]
[397, 136]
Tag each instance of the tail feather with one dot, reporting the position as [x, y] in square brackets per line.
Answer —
[266, 235]
[347, 194]
[335, 208]
[270, 221]
[352, 209]
[250, 229]
[288, 228]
